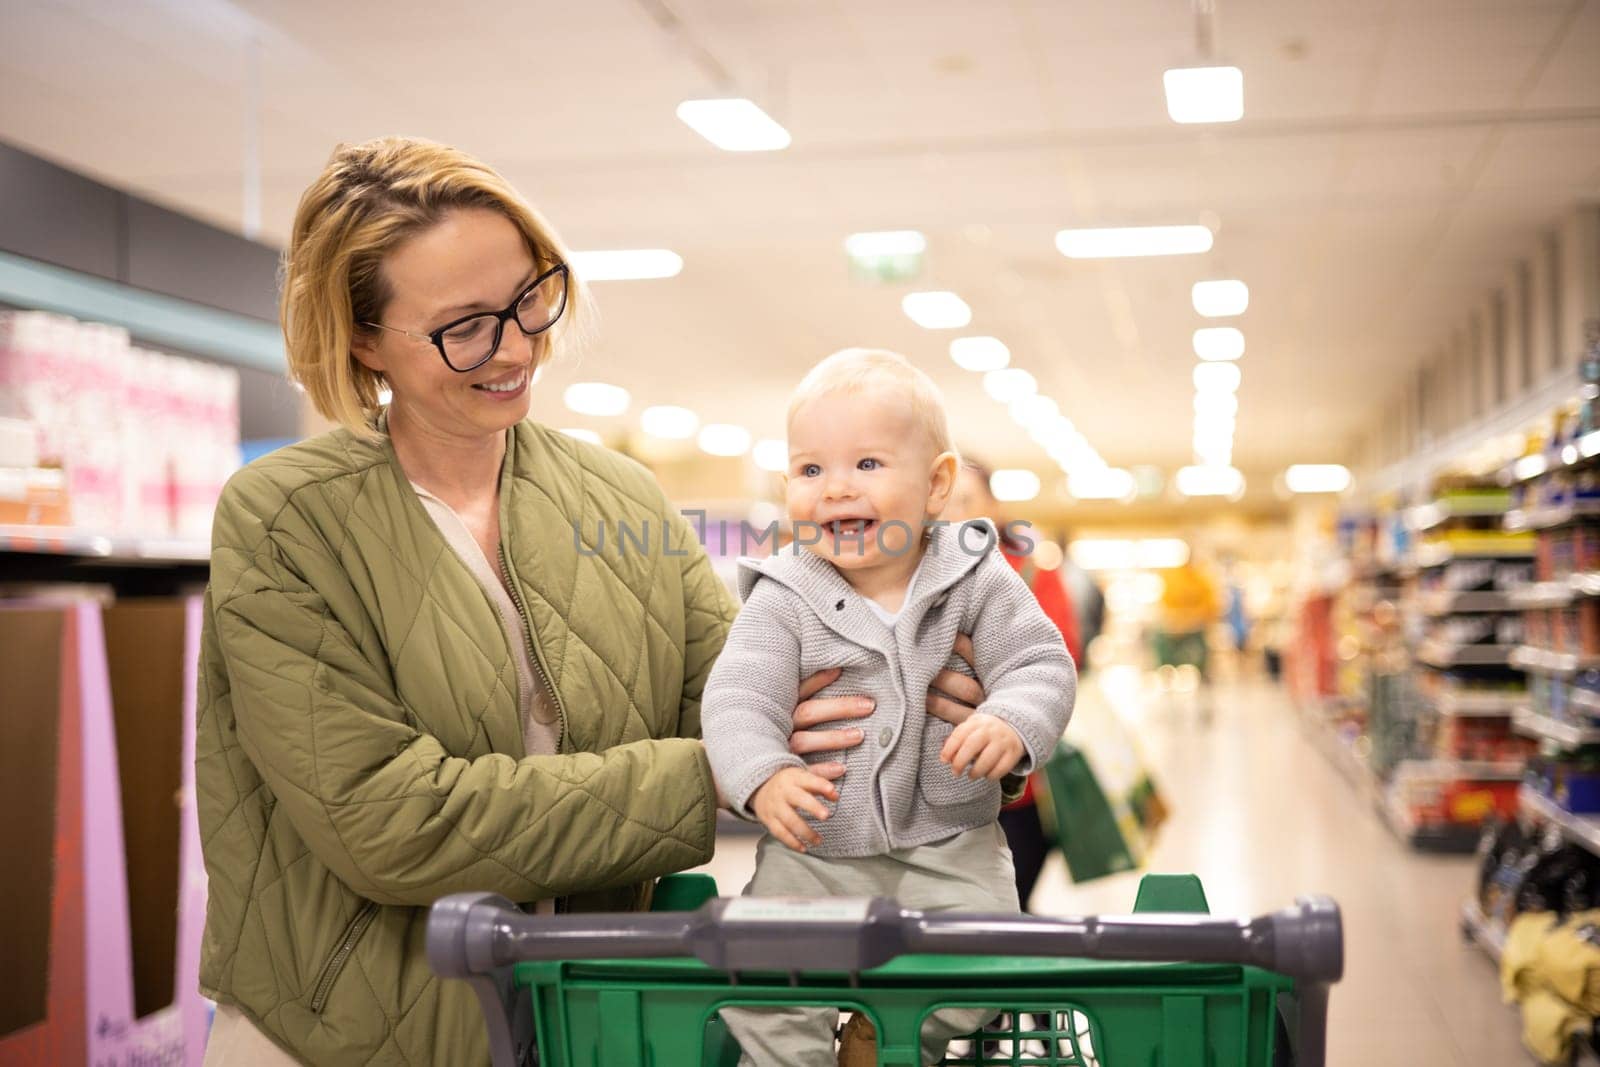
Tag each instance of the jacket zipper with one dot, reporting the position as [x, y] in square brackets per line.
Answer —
[533, 651]
[538, 666]
[347, 945]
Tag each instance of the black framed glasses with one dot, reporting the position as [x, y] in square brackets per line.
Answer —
[471, 341]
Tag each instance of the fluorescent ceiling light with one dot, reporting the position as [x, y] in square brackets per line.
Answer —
[596, 398]
[1219, 456]
[722, 439]
[885, 243]
[1216, 404]
[1112, 483]
[1218, 342]
[1204, 94]
[772, 455]
[1161, 553]
[734, 125]
[1117, 554]
[1034, 410]
[1217, 423]
[1012, 485]
[979, 353]
[1009, 384]
[1209, 481]
[937, 310]
[582, 435]
[1133, 241]
[1219, 299]
[665, 420]
[626, 264]
[1216, 377]
[1317, 478]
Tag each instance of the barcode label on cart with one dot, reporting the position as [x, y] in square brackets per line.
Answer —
[797, 909]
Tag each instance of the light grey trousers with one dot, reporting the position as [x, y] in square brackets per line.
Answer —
[968, 872]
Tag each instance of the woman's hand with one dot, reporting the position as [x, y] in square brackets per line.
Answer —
[953, 696]
[804, 740]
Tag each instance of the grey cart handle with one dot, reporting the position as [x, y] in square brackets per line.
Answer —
[478, 937]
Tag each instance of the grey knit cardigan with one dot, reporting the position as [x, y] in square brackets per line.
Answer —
[800, 616]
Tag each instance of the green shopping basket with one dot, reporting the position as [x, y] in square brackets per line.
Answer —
[1165, 987]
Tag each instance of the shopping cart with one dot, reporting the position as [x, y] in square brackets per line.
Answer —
[1165, 987]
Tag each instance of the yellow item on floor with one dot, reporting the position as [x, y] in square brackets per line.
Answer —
[1570, 961]
[1551, 969]
[1519, 962]
[1548, 1026]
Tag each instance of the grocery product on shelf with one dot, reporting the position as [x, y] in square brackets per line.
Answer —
[142, 440]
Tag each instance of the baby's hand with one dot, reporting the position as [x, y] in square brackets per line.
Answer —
[780, 800]
[983, 747]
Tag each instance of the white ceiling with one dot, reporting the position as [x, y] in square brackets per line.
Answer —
[1396, 157]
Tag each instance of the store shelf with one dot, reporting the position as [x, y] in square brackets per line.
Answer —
[1587, 699]
[1428, 837]
[1482, 931]
[1477, 705]
[1547, 518]
[36, 555]
[1546, 661]
[1580, 451]
[1537, 595]
[1452, 602]
[1529, 722]
[1457, 771]
[1443, 656]
[1581, 830]
[1436, 514]
[1428, 557]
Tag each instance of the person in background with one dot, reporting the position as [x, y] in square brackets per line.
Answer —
[971, 499]
[1088, 602]
[1190, 603]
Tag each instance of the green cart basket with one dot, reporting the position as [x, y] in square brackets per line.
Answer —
[1167, 986]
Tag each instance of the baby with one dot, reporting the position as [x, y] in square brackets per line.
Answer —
[873, 585]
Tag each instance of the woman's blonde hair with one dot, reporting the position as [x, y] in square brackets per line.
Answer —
[368, 199]
[852, 370]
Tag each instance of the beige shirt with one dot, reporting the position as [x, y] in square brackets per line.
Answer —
[540, 722]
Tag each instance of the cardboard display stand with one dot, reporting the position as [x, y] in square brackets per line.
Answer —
[101, 936]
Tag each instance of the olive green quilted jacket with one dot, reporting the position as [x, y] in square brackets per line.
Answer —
[360, 752]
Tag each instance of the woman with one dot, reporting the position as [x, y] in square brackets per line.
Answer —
[1019, 819]
[414, 680]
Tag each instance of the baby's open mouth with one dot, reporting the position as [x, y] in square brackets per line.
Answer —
[853, 527]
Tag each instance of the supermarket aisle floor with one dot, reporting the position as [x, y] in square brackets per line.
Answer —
[1262, 817]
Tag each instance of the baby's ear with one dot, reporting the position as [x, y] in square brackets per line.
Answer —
[942, 481]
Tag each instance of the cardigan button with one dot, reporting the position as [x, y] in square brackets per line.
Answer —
[885, 736]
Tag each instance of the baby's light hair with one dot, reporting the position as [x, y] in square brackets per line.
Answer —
[853, 370]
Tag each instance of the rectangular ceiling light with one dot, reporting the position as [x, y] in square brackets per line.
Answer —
[1204, 94]
[1220, 299]
[937, 310]
[1216, 377]
[1123, 241]
[886, 243]
[734, 125]
[980, 354]
[1109, 483]
[1014, 484]
[1116, 554]
[626, 264]
[1317, 478]
[1209, 481]
[1218, 342]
